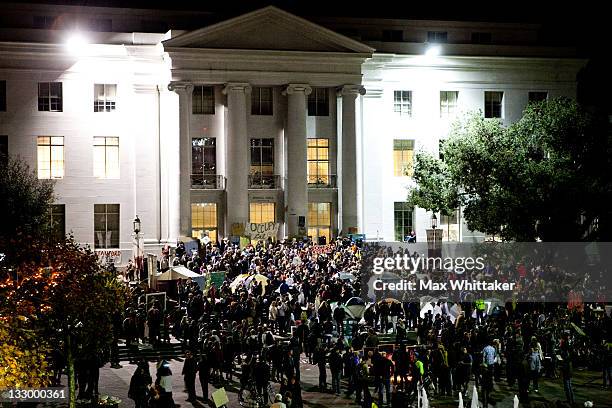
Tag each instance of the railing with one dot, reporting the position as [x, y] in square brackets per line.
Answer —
[264, 181]
[320, 181]
[207, 182]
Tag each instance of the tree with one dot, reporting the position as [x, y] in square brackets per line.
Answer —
[545, 177]
[66, 298]
[25, 200]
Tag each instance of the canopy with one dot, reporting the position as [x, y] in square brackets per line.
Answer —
[180, 272]
[258, 278]
[238, 281]
[345, 276]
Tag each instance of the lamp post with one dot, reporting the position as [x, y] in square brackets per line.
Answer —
[137, 253]
[434, 238]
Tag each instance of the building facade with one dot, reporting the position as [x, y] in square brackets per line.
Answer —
[312, 124]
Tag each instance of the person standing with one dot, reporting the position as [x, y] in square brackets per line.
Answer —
[189, 375]
[489, 355]
[204, 374]
[535, 364]
[566, 373]
[321, 360]
[335, 366]
[261, 372]
[164, 382]
[139, 387]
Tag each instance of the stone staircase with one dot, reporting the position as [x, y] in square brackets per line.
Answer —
[168, 351]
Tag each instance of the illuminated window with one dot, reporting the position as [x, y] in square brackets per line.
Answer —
[402, 216]
[402, 102]
[57, 222]
[2, 96]
[261, 212]
[106, 157]
[105, 97]
[50, 157]
[204, 220]
[403, 157]
[319, 221]
[318, 102]
[261, 101]
[318, 161]
[493, 104]
[203, 100]
[106, 225]
[448, 103]
[538, 96]
[50, 96]
[450, 226]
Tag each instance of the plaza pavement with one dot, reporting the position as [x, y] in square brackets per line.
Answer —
[587, 386]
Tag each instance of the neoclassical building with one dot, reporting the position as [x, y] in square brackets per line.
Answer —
[266, 117]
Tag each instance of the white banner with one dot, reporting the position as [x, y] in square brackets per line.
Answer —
[263, 230]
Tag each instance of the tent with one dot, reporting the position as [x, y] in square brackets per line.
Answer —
[239, 280]
[180, 272]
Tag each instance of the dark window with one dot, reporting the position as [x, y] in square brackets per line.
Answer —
[2, 96]
[45, 22]
[105, 97]
[481, 38]
[50, 96]
[204, 155]
[57, 222]
[538, 96]
[318, 102]
[437, 36]
[106, 225]
[262, 156]
[3, 150]
[261, 101]
[393, 35]
[203, 100]
[403, 220]
[493, 104]
[101, 24]
[402, 102]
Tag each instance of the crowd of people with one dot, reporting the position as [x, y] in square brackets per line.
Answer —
[259, 329]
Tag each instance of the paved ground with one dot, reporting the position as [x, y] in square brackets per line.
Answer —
[586, 386]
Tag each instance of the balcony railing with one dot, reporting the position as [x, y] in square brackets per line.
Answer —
[322, 181]
[207, 182]
[264, 181]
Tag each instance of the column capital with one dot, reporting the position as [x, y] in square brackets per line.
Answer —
[180, 86]
[297, 88]
[352, 90]
[244, 87]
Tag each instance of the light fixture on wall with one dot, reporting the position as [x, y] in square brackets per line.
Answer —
[433, 50]
[76, 44]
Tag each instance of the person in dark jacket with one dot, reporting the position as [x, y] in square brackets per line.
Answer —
[321, 360]
[261, 372]
[335, 365]
[139, 387]
[204, 374]
[189, 375]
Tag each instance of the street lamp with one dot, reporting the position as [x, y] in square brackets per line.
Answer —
[136, 224]
[434, 221]
[138, 261]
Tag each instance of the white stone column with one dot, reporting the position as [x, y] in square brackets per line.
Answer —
[237, 166]
[348, 181]
[181, 202]
[297, 155]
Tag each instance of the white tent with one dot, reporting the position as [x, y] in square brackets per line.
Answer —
[180, 272]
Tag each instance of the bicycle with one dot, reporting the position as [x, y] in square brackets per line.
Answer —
[252, 399]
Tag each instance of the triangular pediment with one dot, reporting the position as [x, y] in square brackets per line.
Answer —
[269, 28]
